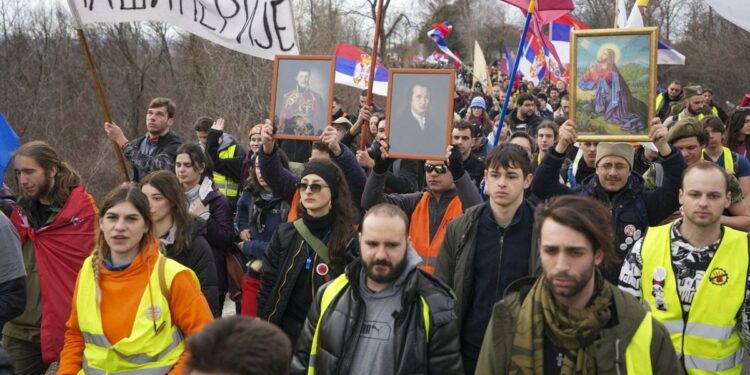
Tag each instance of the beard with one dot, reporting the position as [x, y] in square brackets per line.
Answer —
[693, 113]
[392, 273]
[578, 283]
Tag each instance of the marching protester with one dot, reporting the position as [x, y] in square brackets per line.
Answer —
[490, 246]
[668, 98]
[571, 320]
[463, 139]
[448, 194]
[524, 140]
[192, 168]
[259, 212]
[524, 116]
[235, 168]
[283, 182]
[563, 112]
[56, 221]
[224, 148]
[715, 151]
[238, 345]
[692, 106]
[546, 137]
[182, 234]
[478, 113]
[390, 316]
[403, 175]
[308, 252]
[157, 148]
[633, 206]
[685, 269]
[738, 130]
[132, 306]
[583, 165]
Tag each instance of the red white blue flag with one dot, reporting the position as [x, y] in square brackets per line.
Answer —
[353, 69]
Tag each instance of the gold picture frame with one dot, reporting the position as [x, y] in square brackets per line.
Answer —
[613, 83]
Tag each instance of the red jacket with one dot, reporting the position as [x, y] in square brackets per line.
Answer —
[61, 248]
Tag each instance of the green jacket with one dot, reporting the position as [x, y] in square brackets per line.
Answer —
[494, 357]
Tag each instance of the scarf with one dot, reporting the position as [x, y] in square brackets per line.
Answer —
[571, 330]
[192, 194]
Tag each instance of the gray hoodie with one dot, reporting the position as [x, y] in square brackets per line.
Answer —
[375, 348]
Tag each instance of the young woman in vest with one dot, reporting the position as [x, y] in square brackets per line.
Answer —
[738, 131]
[192, 168]
[259, 213]
[305, 254]
[182, 233]
[132, 306]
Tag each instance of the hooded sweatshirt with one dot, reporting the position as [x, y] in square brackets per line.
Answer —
[375, 347]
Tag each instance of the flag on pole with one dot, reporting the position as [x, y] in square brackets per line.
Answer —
[533, 64]
[439, 33]
[621, 14]
[481, 73]
[545, 11]
[236, 25]
[353, 69]
[559, 31]
[9, 143]
[665, 55]
[734, 11]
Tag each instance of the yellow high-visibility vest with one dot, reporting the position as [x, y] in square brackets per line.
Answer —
[226, 186]
[727, 156]
[707, 340]
[148, 350]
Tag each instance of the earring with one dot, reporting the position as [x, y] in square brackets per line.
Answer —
[330, 204]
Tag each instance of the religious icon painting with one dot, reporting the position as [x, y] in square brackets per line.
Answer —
[419, 113]
[302, 95]
[612, 83]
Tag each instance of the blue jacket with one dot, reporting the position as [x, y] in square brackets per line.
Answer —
[275, 214]
[634, 208]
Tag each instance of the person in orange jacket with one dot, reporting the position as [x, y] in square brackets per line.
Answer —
[132, 306]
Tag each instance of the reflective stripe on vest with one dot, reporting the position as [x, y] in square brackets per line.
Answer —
[708, 342]
[419, 229]
[292, 215]
[333, 289]
[681, 115]
[226, 186]
[726, 155]
[638, 352]
[144, 351]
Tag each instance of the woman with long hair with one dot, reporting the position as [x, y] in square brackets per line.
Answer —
[192, 168]
[478, 113]
[738, 130]
[182, 233]
[306, 253]
[132, 306]
[259, 213]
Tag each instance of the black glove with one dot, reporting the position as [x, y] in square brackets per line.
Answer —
[381, 165]
[455, 163]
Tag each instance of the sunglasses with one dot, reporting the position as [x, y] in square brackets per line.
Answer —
[315, 188]
[439, 169]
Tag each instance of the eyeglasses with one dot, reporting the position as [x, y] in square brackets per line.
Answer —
[439, 169]
[315, 188]
[618, 167]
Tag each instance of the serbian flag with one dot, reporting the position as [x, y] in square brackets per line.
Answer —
[353, 69]
[533, 64]
[545, 12]
[559, 35]
[9, 142]
[439, 33]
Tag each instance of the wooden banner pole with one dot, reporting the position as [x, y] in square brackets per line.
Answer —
[102, 99]
[364, 128]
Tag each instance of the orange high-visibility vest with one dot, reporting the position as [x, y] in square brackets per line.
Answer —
[419, 230]
[292, 215]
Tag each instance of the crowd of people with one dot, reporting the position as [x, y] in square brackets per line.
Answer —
[538, 254]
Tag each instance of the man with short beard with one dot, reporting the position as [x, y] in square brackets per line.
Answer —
[571, 320]
[383, 316]
[693, 106]
[524, 116]
[693, 273]
[56, 221]
[156, 149]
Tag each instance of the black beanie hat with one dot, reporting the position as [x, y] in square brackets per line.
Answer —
[326, 171]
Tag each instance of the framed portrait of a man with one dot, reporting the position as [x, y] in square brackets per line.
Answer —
[302, 95]
[419, 113]
[612, 83]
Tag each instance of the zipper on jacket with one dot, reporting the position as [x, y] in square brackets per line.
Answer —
[283, 282]
[312, 277]
[499, 264]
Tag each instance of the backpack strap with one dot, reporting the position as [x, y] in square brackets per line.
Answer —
[320, 248]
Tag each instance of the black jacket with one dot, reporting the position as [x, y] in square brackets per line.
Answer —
[337, 340]
[199, 258]
[529, 125]
[283, 262]
[163, 158]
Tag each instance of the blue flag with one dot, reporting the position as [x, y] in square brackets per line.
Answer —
[9, 143]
